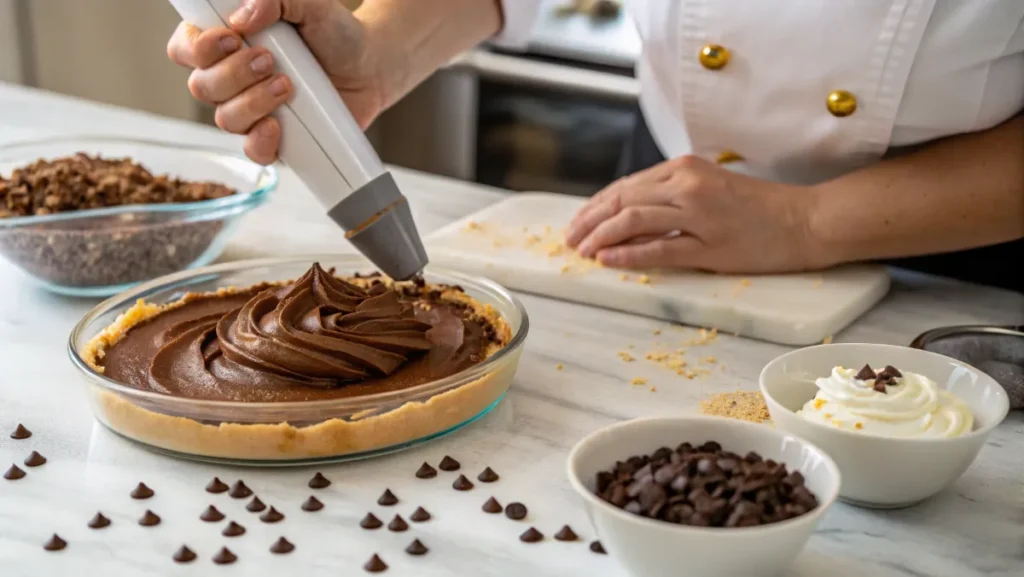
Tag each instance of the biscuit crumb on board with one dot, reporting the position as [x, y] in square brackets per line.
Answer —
[626, 356]
[653, 389]
[827, 340]
[559, 366]
[742, 405]
[638, 381]
[643, 279]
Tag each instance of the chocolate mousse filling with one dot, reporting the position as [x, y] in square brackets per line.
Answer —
[320, 337]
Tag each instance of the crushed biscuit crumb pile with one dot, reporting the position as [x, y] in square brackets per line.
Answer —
[743, 405]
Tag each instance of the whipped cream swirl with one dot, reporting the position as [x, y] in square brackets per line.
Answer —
[911, 406]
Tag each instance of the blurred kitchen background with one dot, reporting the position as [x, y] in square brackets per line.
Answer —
[554, 117]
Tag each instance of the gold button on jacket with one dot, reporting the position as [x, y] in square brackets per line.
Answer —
[841, 103]
[714, 57]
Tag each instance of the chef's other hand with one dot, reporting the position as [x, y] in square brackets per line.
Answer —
[242, 83]
[689, 213]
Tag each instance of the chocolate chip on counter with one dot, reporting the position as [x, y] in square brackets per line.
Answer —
[449, 464]
[462, 484]
[416, 548]
[492, 506]
[865, 374]
[312, 504]
[398, 524]
[224, 557]
[239, 490]
[55, 543]
[184, 555]
[255, 506]
[99, 521]
[487, 476]
[14, 473]
[216, 486]
[282, 546]
[598, 548]
[516, 511]
[375, 565]
[426, 471]
[233, 530]
[531, 535]
[34, 460]
[141, 491]
[149, 519]
[387, 498]
[20, 433]
[272, 515]
[566, 534]
[370, 521]
[420, 515]
[211, 515]
[319, 481]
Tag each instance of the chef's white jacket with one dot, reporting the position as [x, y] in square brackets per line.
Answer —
[811, 89]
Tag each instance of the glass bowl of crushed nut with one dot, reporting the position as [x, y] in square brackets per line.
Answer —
[92, 216]
[297, 360]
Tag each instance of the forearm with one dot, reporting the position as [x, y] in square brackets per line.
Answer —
[416, 37]
[963, 192]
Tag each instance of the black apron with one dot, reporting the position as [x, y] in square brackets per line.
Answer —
[998, 265]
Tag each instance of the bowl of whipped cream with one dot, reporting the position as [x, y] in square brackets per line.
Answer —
[902, 424]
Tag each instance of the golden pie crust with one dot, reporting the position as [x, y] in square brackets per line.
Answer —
[373, 429]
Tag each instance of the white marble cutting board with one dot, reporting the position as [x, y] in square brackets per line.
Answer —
[517, 242]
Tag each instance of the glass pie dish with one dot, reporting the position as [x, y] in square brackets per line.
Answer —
[283, 433]
[102, 251]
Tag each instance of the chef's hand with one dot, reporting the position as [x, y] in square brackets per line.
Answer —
[692, 214]
[242, 83]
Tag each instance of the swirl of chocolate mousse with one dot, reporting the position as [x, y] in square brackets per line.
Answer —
[318, 337]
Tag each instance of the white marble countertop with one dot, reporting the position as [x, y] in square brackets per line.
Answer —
[972, 529]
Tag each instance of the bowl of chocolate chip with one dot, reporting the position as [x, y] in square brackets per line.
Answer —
[901, 423]
[93, 215]
[297, 360]
[702, 496]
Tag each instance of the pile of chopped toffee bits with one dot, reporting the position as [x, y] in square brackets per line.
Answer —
[706, 486]
[108, 250]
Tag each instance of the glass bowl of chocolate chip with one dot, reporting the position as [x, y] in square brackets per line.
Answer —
[93, 215]
[297, 360]
[702, 496]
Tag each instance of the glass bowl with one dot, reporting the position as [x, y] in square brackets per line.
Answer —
[103, 251]
[285, 433]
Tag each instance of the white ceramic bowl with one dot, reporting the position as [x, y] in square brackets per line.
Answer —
[651, 548]
[883, 472]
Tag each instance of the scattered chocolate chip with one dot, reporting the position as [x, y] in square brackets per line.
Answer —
[282, 546]
[255, 506]
[312, 504]
[487, 476]
[20, 433]
[272, 515]
[370, 521]
[224, 557]
[865, 374]
[492, 506]
[216, 486]
[233, 530]
[14, 473]
[566, 534]
[211, 515]
[416, 548]
[449, 464]
[598, 548]
[319, 482]
[515, 511]
[398, 524]
[375, 565]
[426, 471]
[55, 543]
[141, 491]
[239, 490]
[462, 484]
[184, 555]
[34, 460]
[890, 372]
[420, 515]
[387, 498]
[149, 519]
[98, 521]
[531, 535]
